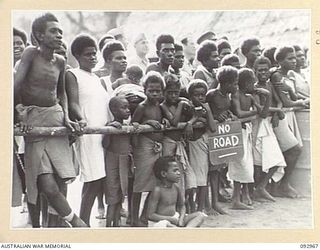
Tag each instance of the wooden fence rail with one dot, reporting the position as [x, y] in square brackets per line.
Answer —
[60, 131]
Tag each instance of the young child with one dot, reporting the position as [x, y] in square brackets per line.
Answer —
[290, 145]
[268, 159]
[165, 52]
[207, 55]
[251, 49]
[133, 75]
[166, 204]
[88, 102]
[177, 110]
[232, 60]
[118, 160]
[148, 146]
[40, 91]
[244, 105]
[220, 104]
[198, 141]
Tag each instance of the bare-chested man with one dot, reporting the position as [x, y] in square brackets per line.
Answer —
[41, 98]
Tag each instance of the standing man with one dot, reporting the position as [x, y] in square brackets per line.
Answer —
[165, 52]
[141, 46]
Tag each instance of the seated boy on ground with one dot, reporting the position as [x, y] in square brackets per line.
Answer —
[166, 204]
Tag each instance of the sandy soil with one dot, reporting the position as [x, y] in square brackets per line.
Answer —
[285, 213]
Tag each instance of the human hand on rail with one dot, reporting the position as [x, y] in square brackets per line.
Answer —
[165, 122]
[115, 124]
[153, 123]
[24, 127]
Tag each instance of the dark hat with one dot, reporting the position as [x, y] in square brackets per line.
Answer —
[209, 35]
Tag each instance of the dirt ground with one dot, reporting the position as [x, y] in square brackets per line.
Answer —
[285, 213]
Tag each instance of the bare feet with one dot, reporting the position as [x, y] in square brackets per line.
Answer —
[139, 224]
[219, 209]
[247, 200]
[288, 191]
[211, 211]
[240, 206]
[123, 213]
[101, 214]
[262, 193]
[77, 222]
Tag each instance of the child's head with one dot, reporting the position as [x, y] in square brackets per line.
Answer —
[165, 49]
[62, 50]
[269, 53]
[119, 107]
[84, 49]
[114, 54]
[134, 74]
[224, 48]
[246, 80]
[172, 90]
[19, 43]
[178, 56]
[232, 60]
[301, 56]
[207, 54]
[154, 85]
[197, 90]
[104, 40]
[47, 31]
[286, 57]
[228, 78]
[167, 168]
[261, 68]
[250, 48]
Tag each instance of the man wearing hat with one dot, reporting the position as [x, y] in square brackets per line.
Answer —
[189, 50]
[209, 35]
[118, 34]
[142, 48]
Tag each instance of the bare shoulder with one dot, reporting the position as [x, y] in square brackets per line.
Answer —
[29, 53]
[276, 76]
[211, 94]
[60, 60]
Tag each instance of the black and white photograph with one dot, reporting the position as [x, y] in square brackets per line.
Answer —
[161, 119]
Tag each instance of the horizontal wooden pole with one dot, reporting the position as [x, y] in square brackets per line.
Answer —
[127, 129]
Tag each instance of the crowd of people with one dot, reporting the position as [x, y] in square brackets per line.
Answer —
[199, 84]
